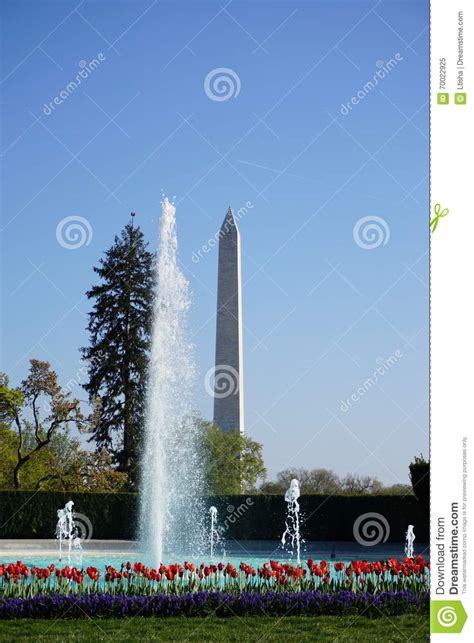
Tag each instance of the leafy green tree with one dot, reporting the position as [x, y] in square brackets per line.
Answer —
[63, 465]
[233, 463]
[11, 400]
[120, 327]
[44, 468]
[8, 455]
[95, 471]
[34, 434]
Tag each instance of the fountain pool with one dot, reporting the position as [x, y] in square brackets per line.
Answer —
[253, 552]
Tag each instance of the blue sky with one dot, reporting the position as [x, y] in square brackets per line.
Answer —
[319, 309]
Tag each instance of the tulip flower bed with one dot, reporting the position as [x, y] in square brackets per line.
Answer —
[390, 586]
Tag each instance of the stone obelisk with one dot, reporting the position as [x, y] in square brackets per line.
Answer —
[228, 382]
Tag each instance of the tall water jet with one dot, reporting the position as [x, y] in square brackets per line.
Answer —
[171, 478]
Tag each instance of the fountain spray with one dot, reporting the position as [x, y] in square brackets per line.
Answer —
[66, 530]
[292, 520]
[171, 509]
[410, 539]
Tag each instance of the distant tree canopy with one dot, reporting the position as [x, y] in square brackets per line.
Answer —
[120, 328]
[233, 463]
[326, 482]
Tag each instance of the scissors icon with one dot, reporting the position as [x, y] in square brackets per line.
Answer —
[439, 214]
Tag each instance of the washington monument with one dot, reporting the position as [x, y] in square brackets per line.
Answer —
[228, 383]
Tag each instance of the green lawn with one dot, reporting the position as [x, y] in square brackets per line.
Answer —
[257, 628]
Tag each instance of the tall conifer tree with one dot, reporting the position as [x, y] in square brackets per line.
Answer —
[120, 327]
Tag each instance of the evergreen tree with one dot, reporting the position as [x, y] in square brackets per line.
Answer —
[120, 327]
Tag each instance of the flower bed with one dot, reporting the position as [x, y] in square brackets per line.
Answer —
[220, 604]
[18, 580]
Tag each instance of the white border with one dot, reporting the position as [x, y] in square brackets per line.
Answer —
[452, 291]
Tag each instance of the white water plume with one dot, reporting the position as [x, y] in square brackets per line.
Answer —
[171, 511]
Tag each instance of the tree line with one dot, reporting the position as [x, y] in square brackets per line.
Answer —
[326, 482]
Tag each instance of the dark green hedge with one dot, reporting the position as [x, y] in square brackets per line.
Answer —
[324, 517]
[33, 514]
[29, 514]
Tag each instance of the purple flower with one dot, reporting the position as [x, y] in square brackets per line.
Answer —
[313, 603]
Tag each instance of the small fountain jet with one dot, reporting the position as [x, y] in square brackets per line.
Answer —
[292, 520]
[214, 533]
[66, 530]
[410, 539]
